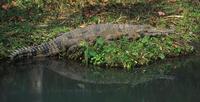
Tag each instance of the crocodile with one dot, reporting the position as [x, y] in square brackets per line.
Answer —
[66, 40]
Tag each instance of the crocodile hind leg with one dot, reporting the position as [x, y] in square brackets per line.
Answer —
[72, 48]
[75, 51]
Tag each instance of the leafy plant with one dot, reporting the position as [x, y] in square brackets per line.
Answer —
[129, 54]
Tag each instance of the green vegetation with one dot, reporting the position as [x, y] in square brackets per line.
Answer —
[31, 22]
[128, 54]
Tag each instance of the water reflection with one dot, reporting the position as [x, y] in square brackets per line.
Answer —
[36, 83]
[56, 81]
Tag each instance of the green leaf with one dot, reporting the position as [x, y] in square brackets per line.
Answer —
[162, 56]
[91, 53]
[100, 41]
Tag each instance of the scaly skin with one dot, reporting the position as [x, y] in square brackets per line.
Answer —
[90, 33]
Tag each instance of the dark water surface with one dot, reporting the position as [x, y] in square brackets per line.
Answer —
[48, 80]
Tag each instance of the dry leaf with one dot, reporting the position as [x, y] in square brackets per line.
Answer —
[82, 26]
[6, 6]
[172, 1]
[14, 3]
[92, 2]
[151, 1]
[104, 1]
[160, 13]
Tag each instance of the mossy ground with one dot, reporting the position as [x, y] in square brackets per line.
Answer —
[27, 22]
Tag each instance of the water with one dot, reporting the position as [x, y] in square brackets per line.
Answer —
[49, 80]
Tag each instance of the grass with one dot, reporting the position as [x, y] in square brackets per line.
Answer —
[31, 22]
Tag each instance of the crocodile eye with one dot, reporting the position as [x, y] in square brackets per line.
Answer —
[147, 27]
[126, 34]
[145, 31]
[98, 36]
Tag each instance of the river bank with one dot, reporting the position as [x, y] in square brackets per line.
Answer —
[32, 23]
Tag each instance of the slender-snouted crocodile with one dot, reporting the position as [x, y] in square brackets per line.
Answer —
[89, 33]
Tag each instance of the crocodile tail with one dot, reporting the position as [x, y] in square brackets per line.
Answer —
[45, 49]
